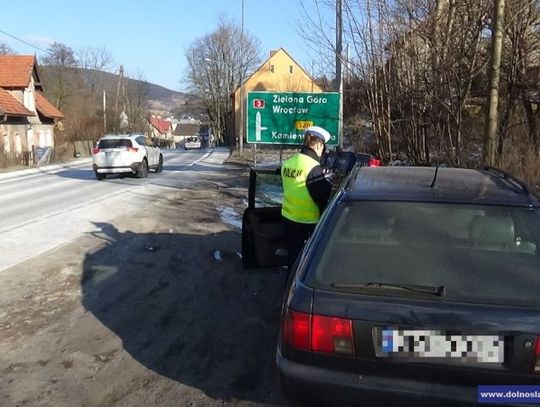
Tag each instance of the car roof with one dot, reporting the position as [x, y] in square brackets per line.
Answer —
[120, 136]
[454, 185]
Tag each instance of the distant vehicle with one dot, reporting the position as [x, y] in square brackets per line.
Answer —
[192, 142]
[121, 154]
[418, 285]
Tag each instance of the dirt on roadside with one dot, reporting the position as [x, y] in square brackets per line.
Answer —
[153, 308]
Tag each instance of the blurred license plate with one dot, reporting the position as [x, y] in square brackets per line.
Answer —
[415, 343]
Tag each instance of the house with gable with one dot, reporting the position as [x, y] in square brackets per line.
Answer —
[27, 119]
[279, 73]
[160, 131]
[186, 128]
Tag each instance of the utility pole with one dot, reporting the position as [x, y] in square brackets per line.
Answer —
[491, 138]
[104, 111]
[241, 139]
[338, 83]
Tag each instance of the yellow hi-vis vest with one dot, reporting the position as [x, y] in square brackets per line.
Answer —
[298, 205]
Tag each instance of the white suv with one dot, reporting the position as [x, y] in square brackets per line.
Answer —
[128, 153]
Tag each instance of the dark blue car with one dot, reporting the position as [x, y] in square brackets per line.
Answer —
[418, 285]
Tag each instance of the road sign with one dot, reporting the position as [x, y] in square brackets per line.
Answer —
[281, 117]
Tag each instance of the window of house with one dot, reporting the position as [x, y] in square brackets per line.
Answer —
[290, 68]
[5, 141]
[18, 143]
[29, 101]
[272, 68]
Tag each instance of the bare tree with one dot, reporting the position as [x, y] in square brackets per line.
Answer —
[93, 60]
[60, 59]
[6, 49]
[491, 131]
[423, 77]
[521, 54]
[137, 95]
[416, 61]
[216, 62]
[59, 54]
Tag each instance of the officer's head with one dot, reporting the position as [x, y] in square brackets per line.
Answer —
[316, 137]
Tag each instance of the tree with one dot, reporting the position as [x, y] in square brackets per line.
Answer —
[60, 58]
[416, 61]
[491, 137]
[6, 49]
[92, 60]
[216, 62]
[59, 54]
[137, 99]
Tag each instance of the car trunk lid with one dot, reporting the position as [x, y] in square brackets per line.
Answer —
[404, 334]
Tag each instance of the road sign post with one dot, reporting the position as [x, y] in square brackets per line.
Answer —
[281, 117]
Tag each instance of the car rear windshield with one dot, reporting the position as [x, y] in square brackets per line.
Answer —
[115, 143]
[477, 253]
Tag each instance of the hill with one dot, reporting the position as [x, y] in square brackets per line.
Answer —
[159, 100]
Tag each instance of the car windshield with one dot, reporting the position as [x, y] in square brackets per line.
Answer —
[114, 143]
[477, 253]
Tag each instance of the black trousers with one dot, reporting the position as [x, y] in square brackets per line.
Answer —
[297, 235]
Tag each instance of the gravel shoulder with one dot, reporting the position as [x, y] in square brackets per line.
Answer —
[153, 308]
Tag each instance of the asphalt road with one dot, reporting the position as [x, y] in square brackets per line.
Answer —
[131, 292]
[40, 210]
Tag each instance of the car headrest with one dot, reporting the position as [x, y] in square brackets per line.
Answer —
[495, 230]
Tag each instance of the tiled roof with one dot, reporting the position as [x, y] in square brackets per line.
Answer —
[46, 108]
[15, 70]
[187, 129]
[161, 125]
[11, 106]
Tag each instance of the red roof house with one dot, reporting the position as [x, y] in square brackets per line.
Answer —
[161, 131]
[162, 126]
[27, 118]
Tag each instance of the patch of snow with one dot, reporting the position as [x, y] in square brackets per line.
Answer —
[229, 216]
[217, 255]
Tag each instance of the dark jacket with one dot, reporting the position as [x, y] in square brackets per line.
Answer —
[319, 187]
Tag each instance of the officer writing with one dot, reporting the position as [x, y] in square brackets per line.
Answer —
[306, 190]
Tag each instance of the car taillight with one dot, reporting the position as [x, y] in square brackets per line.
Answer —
[332, 335]
[296, 330]
[374, 162]
[133, 149]
[537, 356]
[95, 150]
[318, 333]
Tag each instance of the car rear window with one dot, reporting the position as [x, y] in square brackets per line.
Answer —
[478, 253]
[115, 143]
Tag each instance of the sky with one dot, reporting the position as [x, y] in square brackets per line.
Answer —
[150, 37]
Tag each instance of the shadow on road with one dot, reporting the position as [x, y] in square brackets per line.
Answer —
[187, 312]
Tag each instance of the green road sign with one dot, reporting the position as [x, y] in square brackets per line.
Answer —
[281, 117]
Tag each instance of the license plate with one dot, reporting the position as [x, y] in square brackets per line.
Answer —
[415, 343]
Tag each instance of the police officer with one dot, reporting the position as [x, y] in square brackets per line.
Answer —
[306, 190]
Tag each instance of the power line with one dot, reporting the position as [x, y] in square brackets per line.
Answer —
[24, 42]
